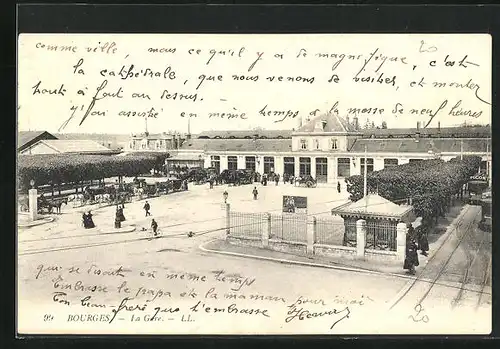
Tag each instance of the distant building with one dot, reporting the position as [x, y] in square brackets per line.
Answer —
[158, 142]
[60, 146]
[111, 141]
[331, 148]
[26, 139]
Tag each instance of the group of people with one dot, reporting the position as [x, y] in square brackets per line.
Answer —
[415, 242]
[88, 223]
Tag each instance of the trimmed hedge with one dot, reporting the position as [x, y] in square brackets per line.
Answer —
[71, 168]
[429, 183]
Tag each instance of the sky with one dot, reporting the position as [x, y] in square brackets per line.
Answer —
[108, 83]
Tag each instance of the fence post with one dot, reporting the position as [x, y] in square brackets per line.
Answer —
[360, 238]
[311, 236]
[33, 204]
[401, 241]
[228, 219]
[266, 232]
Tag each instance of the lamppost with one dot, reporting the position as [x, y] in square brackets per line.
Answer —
[33, 201]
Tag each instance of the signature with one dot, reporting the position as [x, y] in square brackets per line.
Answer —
[417, 317]
[304, 314]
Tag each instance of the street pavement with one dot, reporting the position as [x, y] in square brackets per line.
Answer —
[95, 272]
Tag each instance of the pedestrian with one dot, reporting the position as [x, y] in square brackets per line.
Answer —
[255, 193]
[338, 187]
[154, 226]
[118, 222]
[411, 257]
[119, 213]
[85, 220]
[211, 182]
[423, 242]
[90, 222]
[277, 179]
[146, 208]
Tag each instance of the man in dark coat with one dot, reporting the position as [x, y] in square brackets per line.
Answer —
[154, 226]
[338, 187]
[146, 208]
[277, 179]
[255, 193]
[423, 242]
[411, 257]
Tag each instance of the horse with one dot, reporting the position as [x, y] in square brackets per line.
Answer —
[58, 204]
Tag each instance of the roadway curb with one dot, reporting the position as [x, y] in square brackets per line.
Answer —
[36, 223]
[444, 238]
[287, 261]
[126, 229]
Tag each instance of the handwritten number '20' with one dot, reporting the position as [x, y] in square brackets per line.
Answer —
[423, 318]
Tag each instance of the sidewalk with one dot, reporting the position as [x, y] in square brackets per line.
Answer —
[445, 227]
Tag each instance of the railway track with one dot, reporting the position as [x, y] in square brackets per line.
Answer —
[420, 279]
[469, 274]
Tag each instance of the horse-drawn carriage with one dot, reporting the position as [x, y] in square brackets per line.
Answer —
[307, 180]
[48, 205]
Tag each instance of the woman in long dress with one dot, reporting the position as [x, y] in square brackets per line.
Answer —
[90, 222]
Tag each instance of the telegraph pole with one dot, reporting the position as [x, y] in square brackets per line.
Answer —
[365, 187]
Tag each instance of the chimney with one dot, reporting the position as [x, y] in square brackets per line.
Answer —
[417, 133]
[323, 124]
[356, 122]
[299, 122]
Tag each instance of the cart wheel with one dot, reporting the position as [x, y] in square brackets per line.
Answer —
[309, 184]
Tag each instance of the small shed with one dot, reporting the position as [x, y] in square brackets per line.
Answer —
[381, 216]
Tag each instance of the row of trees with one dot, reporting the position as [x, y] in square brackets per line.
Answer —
[68, 168]
[429, 184]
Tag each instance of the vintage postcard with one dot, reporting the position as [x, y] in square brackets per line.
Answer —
[254, 184]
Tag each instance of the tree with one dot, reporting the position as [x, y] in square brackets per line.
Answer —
[384, 125]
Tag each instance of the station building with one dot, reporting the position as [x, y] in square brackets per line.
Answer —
[330, 148]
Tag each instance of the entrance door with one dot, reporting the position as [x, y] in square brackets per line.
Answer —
[289, 166]
[321, 170]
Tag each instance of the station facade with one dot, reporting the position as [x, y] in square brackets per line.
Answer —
[331, 148]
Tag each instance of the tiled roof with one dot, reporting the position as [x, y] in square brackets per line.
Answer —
[76, 146]
[113, 141]
[269, 134]
[375, 205]
[409, 145]
[327, 123]
[261, 145]
[26, 137]
[443, 131]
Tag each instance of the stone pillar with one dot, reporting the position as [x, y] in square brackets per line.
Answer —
[266, 232]
[228, 219]
[241, 162]
[332, 170]
[313, 166]
[207, 161]
[311, 236]
[297, 166]
[360, 238]
[33, 204]
[223, 163]
[259, 164]
[378, 164]
[279, 165]
[401, 241]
